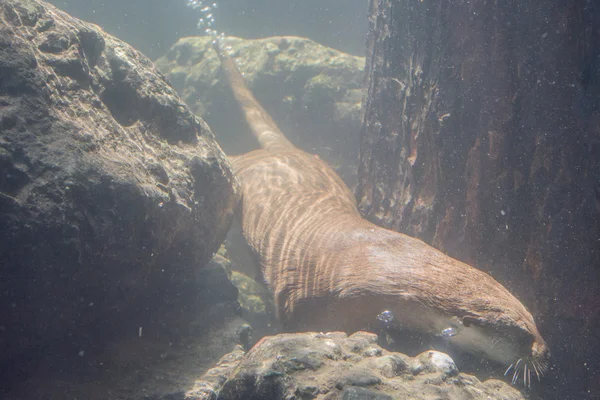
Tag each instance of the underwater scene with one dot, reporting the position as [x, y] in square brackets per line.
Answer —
[296, 200]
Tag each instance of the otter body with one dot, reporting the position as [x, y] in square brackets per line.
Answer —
[330, 269]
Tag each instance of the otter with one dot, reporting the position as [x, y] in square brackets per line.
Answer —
[330, 269]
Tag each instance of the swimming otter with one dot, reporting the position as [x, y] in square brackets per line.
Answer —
[330, 269]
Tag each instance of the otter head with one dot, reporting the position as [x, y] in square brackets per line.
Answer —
[508, 336]
[438, 295]
[515, 344]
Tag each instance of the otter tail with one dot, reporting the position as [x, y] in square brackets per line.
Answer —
[262, 125]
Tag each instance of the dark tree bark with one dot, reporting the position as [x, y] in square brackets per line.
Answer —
[481, 136]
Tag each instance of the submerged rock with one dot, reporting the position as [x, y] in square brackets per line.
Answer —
[112, 193]
[336, 366]
[313, 92]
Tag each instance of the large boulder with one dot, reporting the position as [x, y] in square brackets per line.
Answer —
[112, 193]
[313, 92]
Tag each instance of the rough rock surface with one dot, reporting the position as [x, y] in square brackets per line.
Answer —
[112, 193]
[334, 366]
[313, 92]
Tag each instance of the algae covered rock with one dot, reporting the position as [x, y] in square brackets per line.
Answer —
[313, 92]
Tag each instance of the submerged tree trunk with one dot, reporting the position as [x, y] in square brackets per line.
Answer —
[481, 136]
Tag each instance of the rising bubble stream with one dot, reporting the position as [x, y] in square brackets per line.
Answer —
[206, 22]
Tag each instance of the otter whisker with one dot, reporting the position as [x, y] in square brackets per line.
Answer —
[518, 363]
[508, 369]
[543, 367]
[525, 375]
[529, 378]
[495, 342]
[515, 377]
[535, 368]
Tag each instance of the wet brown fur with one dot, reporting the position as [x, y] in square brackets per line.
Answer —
[329, 268]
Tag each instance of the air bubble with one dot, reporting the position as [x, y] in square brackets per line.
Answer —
[386, 316]
[207, 19]
[449, 332]
[194, 3]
